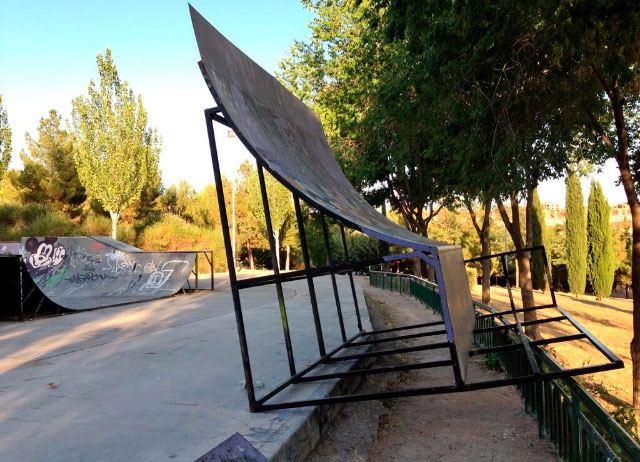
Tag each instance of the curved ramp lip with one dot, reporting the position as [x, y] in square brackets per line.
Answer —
[422, 243]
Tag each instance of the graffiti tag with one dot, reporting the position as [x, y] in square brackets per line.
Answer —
[158, 278]
[47, 256]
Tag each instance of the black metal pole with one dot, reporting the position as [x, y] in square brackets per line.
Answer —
[350, 273]
[505, 268]
[276, 269]
[307, 266]
[21, 289]
[523, 337]
[327, 248]
[244, 349]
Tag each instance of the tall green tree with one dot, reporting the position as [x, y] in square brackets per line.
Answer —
[280, 205]
[377, 108]
[249, 232]
[538, 271]
[5, 140]
[115, 152]
[600, 257]
[483, 232]
[622, 256]
[49, 173]
[576, 236]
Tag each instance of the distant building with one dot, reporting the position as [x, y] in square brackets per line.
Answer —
[554, 214]
[620, 213]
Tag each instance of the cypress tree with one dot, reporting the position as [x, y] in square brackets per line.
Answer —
[600, 258]
[576, 236]
[538, 275]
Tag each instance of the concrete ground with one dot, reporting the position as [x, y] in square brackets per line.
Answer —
[161, 380]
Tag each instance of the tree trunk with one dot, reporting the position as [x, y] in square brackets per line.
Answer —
[486, 250]
[628, 182]
[417, 267]
[114, 224]
[483, 234]
[250, 256]
[634, 206]
[276, 235]
[286, 262]
[524, 260]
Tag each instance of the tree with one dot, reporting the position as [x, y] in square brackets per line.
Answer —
[115, 152]
[538, 270]
[576, 236]
[594, 47]
[250, 234]
[5, 140]
[376, 107]
[280, 205]
[600, 258]
[483, 234]
[49, 173]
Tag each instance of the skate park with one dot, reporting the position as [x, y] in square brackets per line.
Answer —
[130, 365]
[157, 380]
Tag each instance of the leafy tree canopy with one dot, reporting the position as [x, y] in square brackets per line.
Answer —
[5, 140]
[115, 152]
[49, 173]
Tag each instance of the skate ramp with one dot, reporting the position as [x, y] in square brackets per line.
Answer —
[79, 273]
[288, 139]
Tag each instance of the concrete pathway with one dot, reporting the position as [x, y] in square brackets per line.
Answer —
[161, 380]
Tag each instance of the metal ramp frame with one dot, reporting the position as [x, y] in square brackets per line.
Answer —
[287, 140]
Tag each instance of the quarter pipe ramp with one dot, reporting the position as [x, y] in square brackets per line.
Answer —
[79, 273]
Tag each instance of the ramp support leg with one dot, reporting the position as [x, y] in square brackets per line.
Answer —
[244, 348]
[276, 269]
[307, 267]
[327, 248]
[353, 288]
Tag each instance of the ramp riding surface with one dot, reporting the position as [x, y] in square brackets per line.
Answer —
[79, 273]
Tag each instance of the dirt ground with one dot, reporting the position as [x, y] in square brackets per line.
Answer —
[610, 320]
[484, 425]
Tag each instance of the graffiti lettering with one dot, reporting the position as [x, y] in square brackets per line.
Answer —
[158, 278]
[118, 262]
[82, 278]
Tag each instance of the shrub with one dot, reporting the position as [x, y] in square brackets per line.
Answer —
[29, 213]
[49, 224]
[97, 225]
[172, 232]
[17, 221]
[9, 214]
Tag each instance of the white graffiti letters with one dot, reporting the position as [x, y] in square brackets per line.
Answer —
[118, 262]
[158, 278]
[46, 256]
[58, 255]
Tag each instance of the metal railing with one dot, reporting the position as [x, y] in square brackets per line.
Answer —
[566, 413]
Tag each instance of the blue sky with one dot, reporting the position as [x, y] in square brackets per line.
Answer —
[48, 51]
[47, 57]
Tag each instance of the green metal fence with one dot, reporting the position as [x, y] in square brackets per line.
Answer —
[567, 414]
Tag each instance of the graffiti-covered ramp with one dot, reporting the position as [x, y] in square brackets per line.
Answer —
[79, 273]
